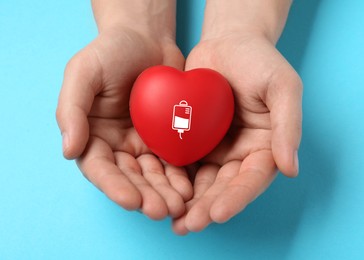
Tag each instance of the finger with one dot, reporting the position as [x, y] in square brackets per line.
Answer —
[205, 178]
[284, 100]
[255, 175]
[98, 166]
[179, 180]
[199, 217]
[203, 181]
[153, 172]
[81, 81]
[178, 224]
[153, 205]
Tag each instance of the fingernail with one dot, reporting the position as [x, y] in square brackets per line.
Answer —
[65, 142]
[295, 161]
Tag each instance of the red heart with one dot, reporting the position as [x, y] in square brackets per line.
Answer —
[181, 116]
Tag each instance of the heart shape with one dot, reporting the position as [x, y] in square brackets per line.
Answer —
[181, 116]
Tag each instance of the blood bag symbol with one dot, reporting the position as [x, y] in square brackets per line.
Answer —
[182, 114]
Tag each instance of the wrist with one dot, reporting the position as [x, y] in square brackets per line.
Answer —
[155, 19]
[252, 18]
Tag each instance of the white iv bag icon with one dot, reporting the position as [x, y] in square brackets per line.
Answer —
[182, 114]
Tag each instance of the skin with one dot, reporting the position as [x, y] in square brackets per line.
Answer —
[238, 40]
[93, 108]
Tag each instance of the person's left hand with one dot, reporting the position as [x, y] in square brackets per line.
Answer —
[265, 131]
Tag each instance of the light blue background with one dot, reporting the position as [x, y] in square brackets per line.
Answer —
[49, 211]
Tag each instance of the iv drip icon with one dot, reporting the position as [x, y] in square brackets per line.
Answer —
[182, 114]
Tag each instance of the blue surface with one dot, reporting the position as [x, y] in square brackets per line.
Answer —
[49, 211]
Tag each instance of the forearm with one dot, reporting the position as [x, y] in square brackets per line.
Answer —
[150, 17]
[245, 16]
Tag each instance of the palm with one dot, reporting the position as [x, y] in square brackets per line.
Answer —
[249, 67]
[115, 159]
[242, 166]
[120, 58]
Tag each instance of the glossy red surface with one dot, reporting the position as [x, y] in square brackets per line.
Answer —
[181, 116]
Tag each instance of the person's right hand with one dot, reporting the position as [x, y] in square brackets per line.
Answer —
[93, 115]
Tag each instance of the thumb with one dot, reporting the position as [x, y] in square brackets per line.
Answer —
[82, 78]
[284, 100]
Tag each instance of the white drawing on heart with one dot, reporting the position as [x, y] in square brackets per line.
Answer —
[182, 114]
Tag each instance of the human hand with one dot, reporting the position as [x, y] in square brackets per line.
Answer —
[265, 132]
[93, 109]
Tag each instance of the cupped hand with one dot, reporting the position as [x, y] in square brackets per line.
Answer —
[93, 115]
[265, 132]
